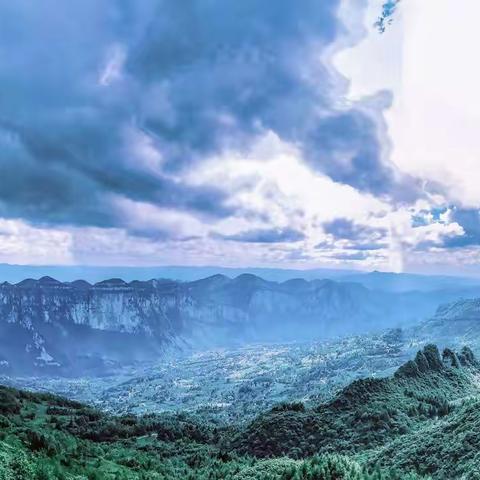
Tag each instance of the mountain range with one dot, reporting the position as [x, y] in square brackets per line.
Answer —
[48, 326]
[377, 280]
[93, 274]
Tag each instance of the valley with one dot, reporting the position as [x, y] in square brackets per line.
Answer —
[233, 384]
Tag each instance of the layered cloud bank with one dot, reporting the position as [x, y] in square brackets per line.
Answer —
[223, 132]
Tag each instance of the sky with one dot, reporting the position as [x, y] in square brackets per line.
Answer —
[219, 132]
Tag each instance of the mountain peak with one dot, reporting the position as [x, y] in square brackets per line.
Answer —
[248, 279]
[27, 283]
[112, 283]
[81, 284]
[429, 360]
[49, 281]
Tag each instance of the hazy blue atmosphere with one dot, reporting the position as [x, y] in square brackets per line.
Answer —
[239, 240]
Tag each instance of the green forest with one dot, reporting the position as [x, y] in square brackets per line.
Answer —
[423, 422]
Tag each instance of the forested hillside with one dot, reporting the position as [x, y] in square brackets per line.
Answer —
[45, 437]
[423, 422]
[368, 413]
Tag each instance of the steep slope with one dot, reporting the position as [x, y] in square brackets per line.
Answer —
[53, 326]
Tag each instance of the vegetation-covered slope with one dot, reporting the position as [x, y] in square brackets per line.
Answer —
[422, 421]
[44, 438]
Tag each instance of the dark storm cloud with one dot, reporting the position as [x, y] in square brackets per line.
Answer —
[63, 156]
[239, 70]
[274, 235]
[58, 181]
[246, 67]
[194, 77]
[352, 135]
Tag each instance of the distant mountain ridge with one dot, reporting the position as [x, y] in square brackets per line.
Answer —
[67, 327]
[407, 282]
[455, 322]
[376, 280]
[69, 273]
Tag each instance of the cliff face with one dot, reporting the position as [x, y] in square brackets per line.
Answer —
[46, 325]
[52, 326]
[110, 306]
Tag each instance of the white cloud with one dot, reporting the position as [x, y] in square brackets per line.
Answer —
[24, 244]
[435, 122]
[152, 220]
[375, 63]
[427, 58]
[280, 187]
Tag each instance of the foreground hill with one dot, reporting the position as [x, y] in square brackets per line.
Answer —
[47, 326]
[368, 413]
[424, 420]
[43, 437]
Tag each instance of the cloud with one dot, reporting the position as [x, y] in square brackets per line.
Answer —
[271, 74]
[350, 256]
[22, 243]
[469, 221]
[347, 235]
[56, 180]
[148, 125]
[274, 235]
[367, 247]
[67, 119]
[435, 130]
[346, 229]
[102, 79]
